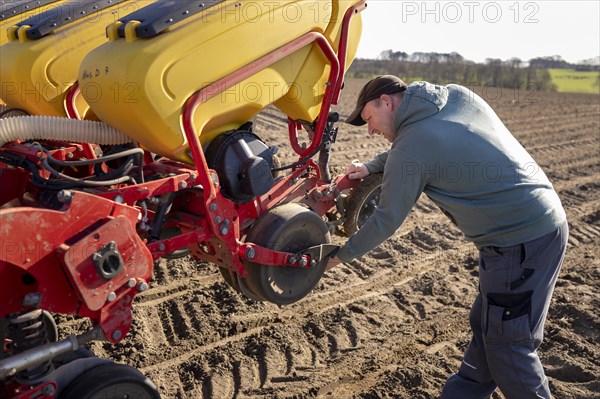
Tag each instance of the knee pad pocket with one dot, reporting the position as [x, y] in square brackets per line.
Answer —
[508, 317]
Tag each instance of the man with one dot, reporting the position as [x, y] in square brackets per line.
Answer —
[448, 143]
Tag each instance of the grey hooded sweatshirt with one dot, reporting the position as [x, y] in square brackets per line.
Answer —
[452, 146]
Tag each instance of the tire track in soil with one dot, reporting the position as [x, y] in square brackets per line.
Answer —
[171, 315]
[331, 334]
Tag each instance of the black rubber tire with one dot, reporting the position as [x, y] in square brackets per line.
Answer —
[227, 277]
[50, 326]
[110, 381]
[362, 202]
[286, 228]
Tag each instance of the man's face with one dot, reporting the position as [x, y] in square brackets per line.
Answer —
[379, 116]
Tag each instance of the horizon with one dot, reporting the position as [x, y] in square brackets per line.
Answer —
[521, 29]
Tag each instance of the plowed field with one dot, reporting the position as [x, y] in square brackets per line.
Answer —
[393, 323]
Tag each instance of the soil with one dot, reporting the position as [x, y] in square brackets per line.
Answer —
[393, 323]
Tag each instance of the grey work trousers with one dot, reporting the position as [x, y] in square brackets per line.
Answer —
[507, 319]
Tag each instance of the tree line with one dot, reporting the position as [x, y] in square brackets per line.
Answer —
[443, 68]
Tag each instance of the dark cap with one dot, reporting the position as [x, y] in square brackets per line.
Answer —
[375, 88]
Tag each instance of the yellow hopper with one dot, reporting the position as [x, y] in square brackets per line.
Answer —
[244, 55]
[45, 46]
[13, 12]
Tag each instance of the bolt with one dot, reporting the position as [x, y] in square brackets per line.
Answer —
[119, 199]
[143, 286]
[303, 262]
[292, 260]
[111, 297]
[182, 185]
[215, 179]
[32, 299]
[161, 247]
[213, 207]
[313, 263]
[250, 253]
[48, 390]
[131, 283]
[116, 335]
[225, 227]
[65, 196]
[218, 219]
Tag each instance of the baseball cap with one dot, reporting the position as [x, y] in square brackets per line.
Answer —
[386, 84]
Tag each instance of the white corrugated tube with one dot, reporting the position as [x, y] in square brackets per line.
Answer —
[59, 129]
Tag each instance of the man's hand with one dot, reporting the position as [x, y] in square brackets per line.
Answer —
[357, 170]
[333, 262]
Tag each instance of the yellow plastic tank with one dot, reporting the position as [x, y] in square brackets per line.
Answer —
[158, 57]
[41, 59]
[13, 12]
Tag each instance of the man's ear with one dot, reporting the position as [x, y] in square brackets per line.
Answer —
[387, 101]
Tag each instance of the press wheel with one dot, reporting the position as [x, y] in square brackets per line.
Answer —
[287, 228]
[109, 381]
[238, 284]
[362, 202]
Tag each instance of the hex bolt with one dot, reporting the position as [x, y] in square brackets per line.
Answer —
[116, 335]
[65, 196]
[218, 219]
[313, 263]
[292, 260]
[131, 283]
[161, 247]
[111, 297]
[250, 253]
[213, 207]
[225, 227]
[32, 299]
[48, 390]
[303, 262]
[182, 185]
[119, 199]
[143, 286]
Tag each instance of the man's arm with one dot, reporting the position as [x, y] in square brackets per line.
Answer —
[404, 180]
[377, 164]
[358, 170]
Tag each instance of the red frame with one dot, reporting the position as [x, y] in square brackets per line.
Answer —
[210, 223]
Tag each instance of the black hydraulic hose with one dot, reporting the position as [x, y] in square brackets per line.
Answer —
[83, 182]
[137, 152]
[161, 216]
[302, 161]
[86, 162]
[324, 156]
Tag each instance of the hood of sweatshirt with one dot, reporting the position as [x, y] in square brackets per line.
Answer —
[421, 100]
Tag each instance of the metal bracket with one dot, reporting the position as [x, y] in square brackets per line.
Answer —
[318, 253]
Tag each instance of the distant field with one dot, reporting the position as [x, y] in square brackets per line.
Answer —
[571, 81]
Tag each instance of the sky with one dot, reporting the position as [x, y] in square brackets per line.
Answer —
[483, 29]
